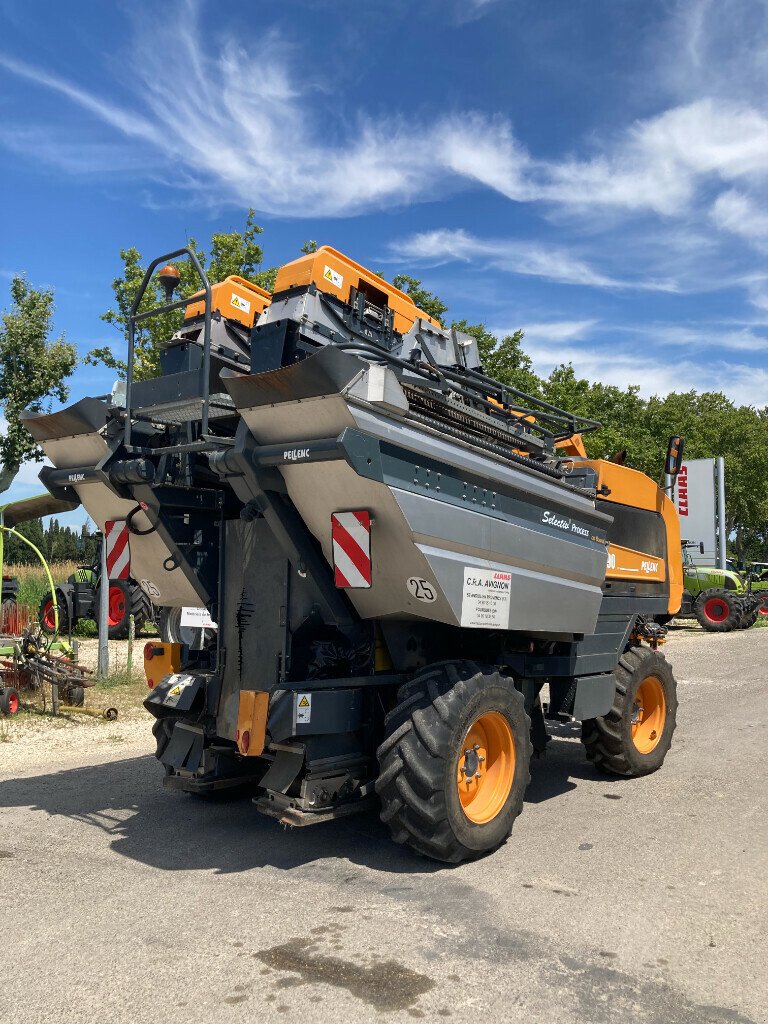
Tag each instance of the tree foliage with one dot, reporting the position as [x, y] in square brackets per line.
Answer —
[424, 299]
[231, 253]
[33, 370]
[58, 543]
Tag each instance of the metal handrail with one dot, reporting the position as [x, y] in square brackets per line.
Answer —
[134, 318]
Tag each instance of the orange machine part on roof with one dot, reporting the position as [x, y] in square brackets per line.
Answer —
[335, 273]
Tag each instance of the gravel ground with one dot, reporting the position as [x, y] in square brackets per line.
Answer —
[614, 900]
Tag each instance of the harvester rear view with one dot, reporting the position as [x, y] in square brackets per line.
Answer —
[400, 555]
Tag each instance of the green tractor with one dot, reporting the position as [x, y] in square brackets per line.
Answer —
[78, 598]
[757, 574]
[718, 599]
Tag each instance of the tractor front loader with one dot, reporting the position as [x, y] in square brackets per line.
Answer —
[410, 567]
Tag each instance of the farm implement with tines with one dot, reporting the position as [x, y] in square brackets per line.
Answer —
[403, 567]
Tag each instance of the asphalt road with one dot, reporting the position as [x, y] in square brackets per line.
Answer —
[613, 901]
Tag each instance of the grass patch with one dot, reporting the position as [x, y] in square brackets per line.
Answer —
[33, 582]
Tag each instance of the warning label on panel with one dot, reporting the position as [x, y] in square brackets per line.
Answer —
[486, 597]
[181, 682]
[303, 708]
[335, 279]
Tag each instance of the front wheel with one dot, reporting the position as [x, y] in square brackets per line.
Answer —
[46, 616]
[636, 734]
[454, 764]
[9, 701]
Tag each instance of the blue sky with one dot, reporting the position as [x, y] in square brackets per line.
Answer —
[592, 171]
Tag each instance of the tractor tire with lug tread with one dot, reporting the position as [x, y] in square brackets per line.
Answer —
[9, 701]
[431, 798]
[45, 614]
[717, 611]
[634, 737]
[125, 599]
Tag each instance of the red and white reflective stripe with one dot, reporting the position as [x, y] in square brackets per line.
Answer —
[351, 534]
[118, 549]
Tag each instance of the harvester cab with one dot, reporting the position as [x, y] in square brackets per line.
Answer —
[407, 567]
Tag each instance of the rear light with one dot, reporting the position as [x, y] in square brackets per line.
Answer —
[246, 741]
[149, 652]
[150, 683]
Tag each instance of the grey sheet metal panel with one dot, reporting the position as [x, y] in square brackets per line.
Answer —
[322, 488]
[175, 588]
[540, 602]
[430, 444]
[525, 544]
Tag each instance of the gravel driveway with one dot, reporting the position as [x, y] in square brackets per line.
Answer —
[613, 901]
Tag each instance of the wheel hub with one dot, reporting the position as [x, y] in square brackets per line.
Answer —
[486, 767]
[649, 713]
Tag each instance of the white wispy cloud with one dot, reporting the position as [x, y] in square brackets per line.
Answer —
[512, 256]
[240, 135]
[252, 139]
[551, 332]
[617, 364]
[740, 214]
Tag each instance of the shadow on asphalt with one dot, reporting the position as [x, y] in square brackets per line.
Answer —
[171, 830]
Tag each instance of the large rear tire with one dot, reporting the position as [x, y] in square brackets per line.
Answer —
[454, 764]
[125, 599]
[634, 737]
[717, 611]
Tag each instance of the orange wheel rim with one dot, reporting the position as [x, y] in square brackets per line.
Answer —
[486, 767]
[649, 715]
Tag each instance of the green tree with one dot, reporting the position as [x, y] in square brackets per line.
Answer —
[425, 300]
[33, 370]
[231, 253]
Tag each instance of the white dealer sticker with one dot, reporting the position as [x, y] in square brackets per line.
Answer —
[303, 708]
[180, 683]
[239, 303]
[336, 279]
[486, 597]
[199, 618]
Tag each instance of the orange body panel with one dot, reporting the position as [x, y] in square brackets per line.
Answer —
[335, 273]
[573, 445]
[630, 487]
[252, 722]
[165, 659]
[235, 298]
[626, 564]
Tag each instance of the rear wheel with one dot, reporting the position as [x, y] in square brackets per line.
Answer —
[9, 701]
[125, 598]
[454, 765]
[717, 611]
[635, 735]
[763, 609]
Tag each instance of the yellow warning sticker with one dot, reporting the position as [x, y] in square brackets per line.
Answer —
[239, 303]
[303, 708]
[335, 279]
